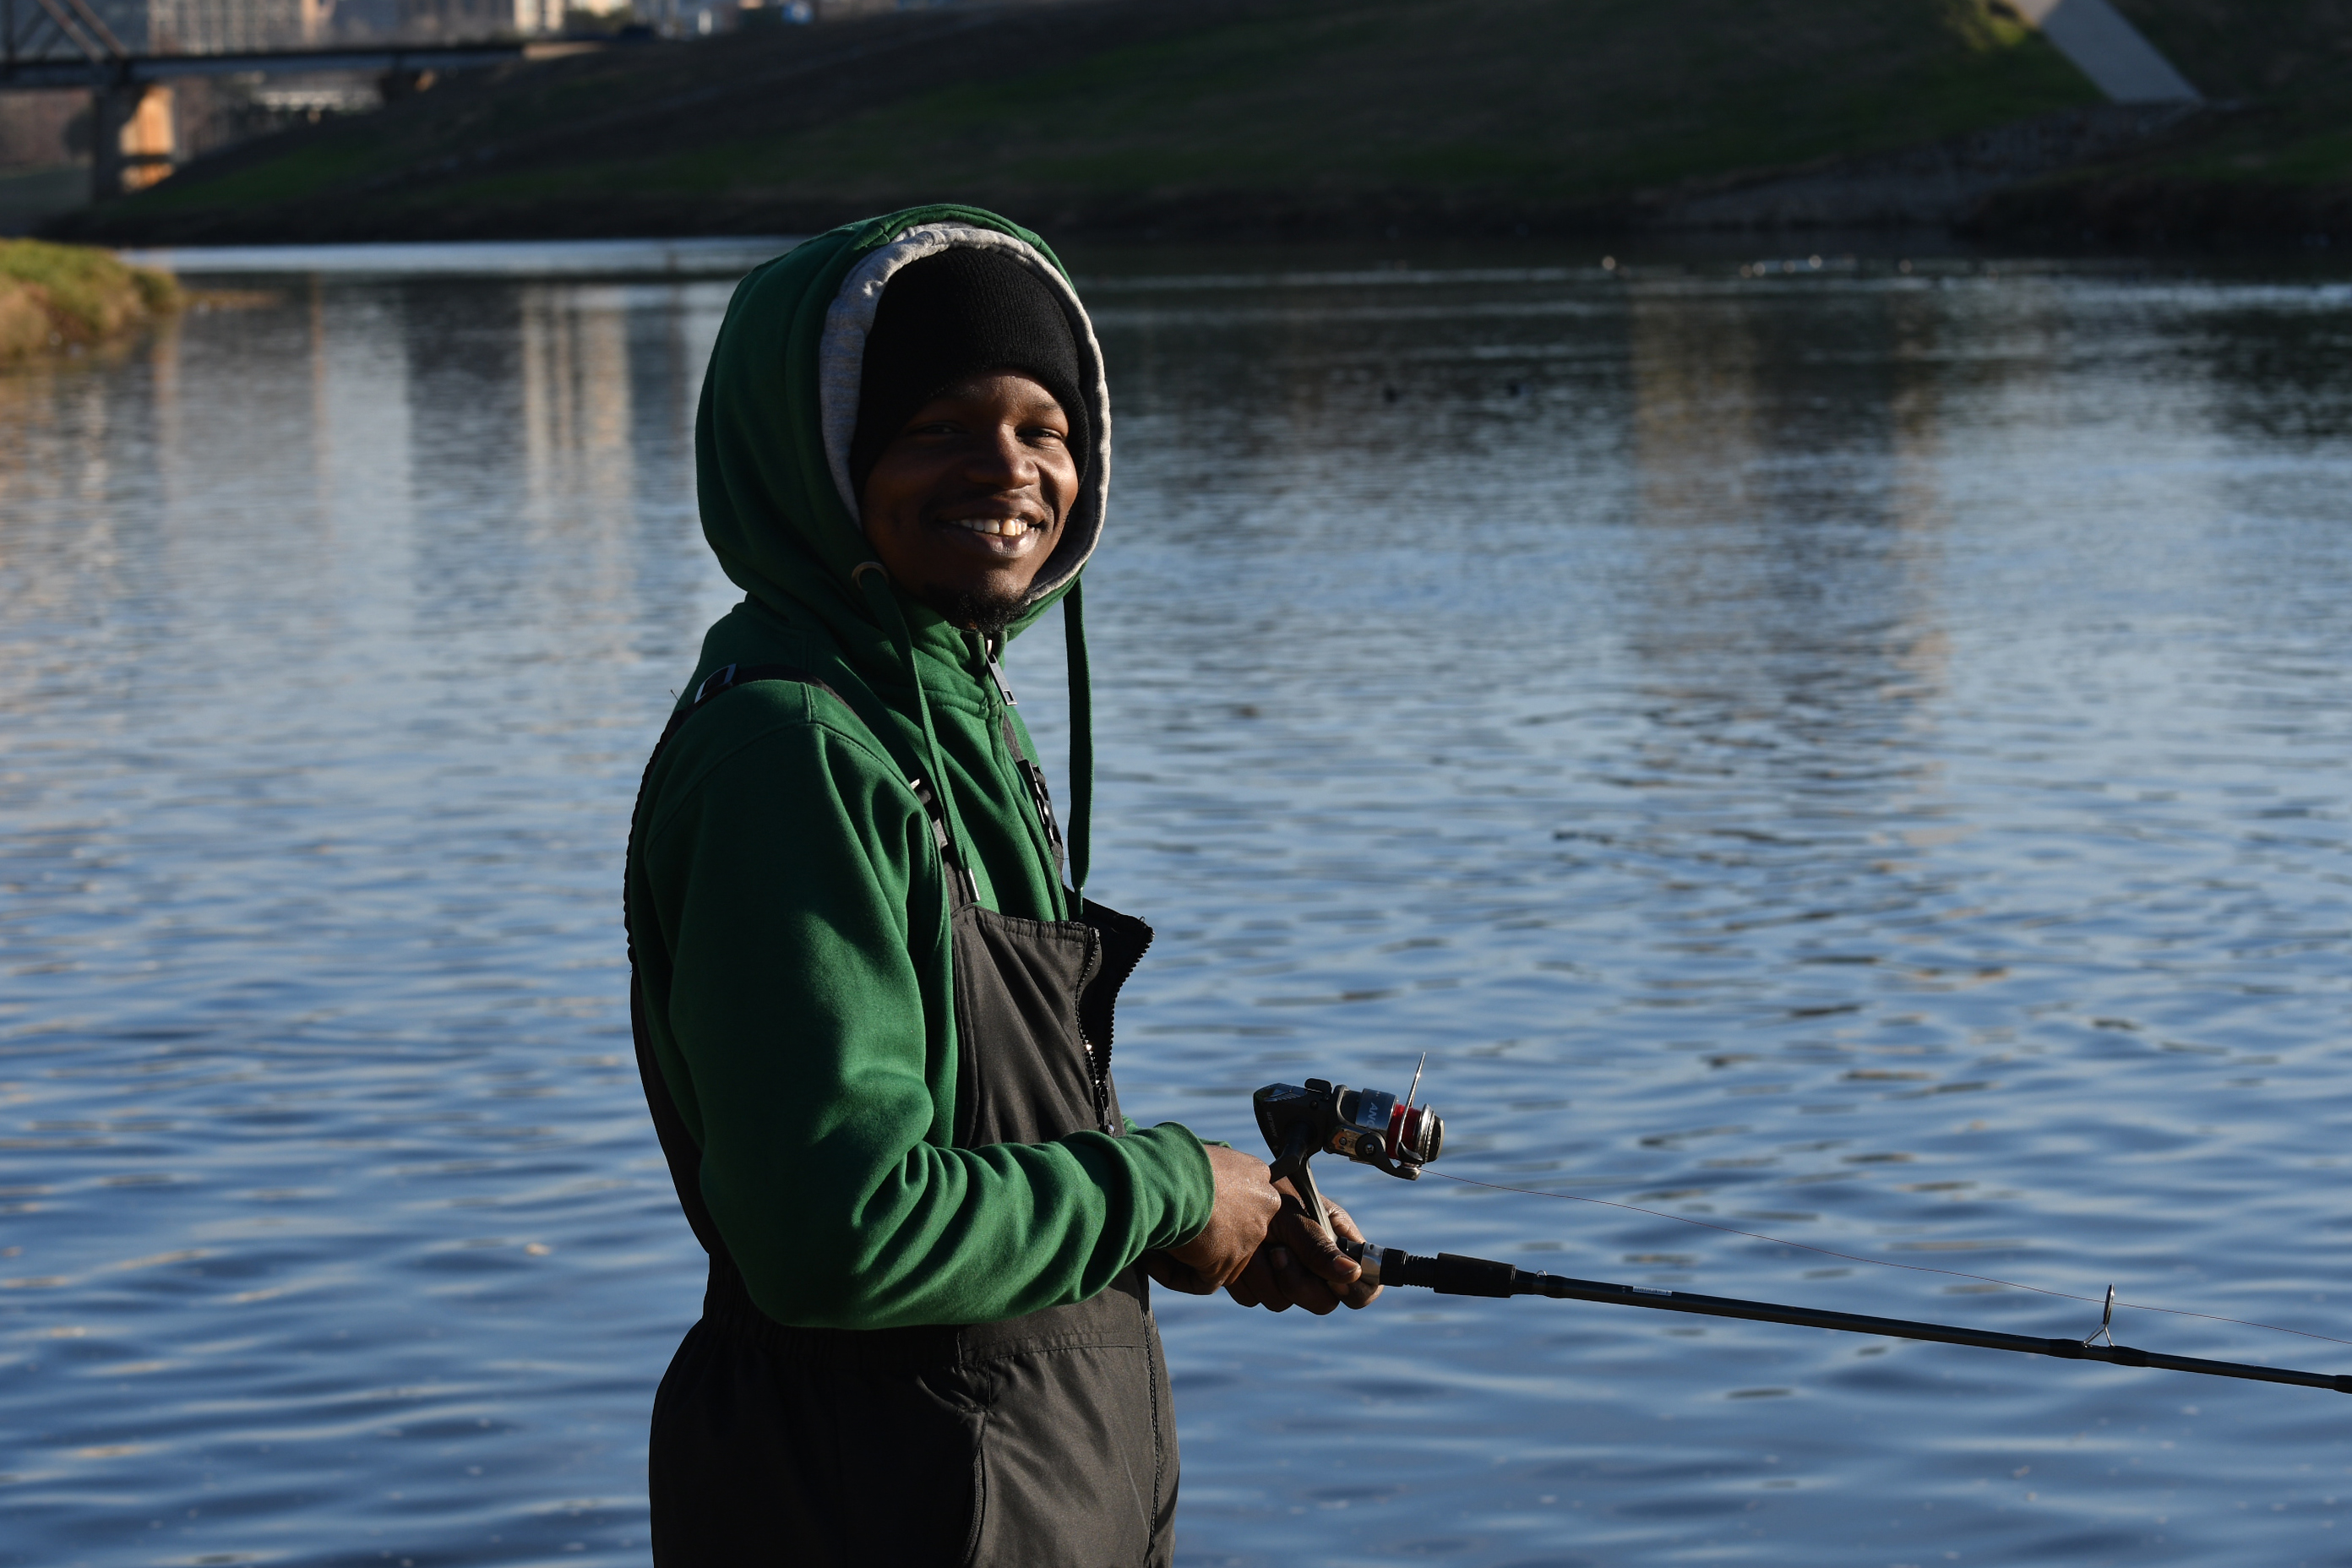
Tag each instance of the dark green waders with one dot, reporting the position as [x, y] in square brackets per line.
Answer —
[1045, 1441]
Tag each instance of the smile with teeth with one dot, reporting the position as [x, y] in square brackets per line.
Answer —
[1008, 527]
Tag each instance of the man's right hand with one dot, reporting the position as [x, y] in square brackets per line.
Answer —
[1246, 1204]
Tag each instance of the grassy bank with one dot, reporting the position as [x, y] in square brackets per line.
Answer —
[1210, 117]
[53, 298]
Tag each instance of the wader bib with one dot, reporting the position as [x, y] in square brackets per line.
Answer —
[1044, 1441]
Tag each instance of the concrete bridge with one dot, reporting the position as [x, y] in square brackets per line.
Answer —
[46, 44]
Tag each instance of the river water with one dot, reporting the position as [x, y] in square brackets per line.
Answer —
[1848, 755]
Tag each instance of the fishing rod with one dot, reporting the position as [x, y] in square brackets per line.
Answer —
[1371, 1127]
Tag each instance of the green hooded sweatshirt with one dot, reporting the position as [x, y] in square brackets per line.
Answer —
[788, 910]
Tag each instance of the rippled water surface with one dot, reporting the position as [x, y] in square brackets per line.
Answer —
[1856, 757]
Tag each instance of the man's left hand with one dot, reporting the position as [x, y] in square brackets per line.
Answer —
[1300, 1267]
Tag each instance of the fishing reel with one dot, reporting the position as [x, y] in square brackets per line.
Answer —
[1367, 1126]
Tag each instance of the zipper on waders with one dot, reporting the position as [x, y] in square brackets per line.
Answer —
[1098, 1055]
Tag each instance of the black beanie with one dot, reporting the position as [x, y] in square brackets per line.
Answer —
[961, 312]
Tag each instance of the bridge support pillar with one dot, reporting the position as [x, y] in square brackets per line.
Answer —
[132, 138]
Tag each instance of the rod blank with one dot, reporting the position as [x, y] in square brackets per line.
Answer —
[1450, 1274]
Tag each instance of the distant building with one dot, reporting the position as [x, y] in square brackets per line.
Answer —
[367, 19]
[454, 21]
[215, 26]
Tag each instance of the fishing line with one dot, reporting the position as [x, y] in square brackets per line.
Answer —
[1372, 1127]
[1880, 1262]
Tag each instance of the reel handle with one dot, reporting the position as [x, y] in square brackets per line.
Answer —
[1297, 1148]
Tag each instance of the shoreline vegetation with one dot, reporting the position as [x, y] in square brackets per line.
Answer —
[1332, 119]
[60, 298]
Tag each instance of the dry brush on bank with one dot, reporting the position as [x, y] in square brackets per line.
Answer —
[54, 299]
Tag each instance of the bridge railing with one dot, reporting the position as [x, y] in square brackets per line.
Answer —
[43, 31]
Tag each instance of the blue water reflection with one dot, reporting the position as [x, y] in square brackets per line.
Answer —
[1856, 758]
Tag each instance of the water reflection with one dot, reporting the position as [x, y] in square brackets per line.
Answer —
[1851, 758]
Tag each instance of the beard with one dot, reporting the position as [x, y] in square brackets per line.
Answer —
[986, 612]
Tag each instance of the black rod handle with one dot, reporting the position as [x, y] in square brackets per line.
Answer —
[1450, 1274]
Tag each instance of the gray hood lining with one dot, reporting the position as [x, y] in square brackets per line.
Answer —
[841, 366]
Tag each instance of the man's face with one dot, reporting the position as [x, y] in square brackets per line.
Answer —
[969, 498]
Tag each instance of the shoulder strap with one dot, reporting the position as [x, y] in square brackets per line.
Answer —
[678, 1148]
[678, 1145]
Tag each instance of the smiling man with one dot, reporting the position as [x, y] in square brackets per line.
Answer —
[875, 1025]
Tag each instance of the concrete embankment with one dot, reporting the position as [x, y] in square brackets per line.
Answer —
[54, 299]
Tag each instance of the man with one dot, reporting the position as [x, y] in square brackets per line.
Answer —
[875, 1025]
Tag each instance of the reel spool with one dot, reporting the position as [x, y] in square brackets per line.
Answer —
[1368, 1126]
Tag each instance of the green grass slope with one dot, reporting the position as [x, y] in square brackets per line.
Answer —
[1215, 116]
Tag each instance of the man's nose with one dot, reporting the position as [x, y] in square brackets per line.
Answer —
[1003, 457]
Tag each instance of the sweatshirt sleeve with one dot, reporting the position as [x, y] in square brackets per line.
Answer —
[807, 1011]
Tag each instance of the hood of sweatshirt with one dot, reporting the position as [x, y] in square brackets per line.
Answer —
[780, 406]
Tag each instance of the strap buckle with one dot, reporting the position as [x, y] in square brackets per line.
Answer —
[959, 875]
[720, 679]
[1044, 802]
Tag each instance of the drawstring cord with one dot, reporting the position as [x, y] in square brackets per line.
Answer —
[878, 590]
[1082, 739]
